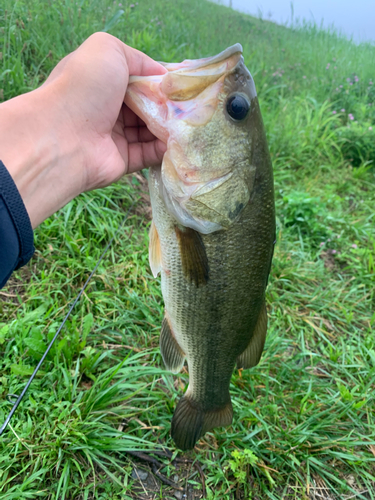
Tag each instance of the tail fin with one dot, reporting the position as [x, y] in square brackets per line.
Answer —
[189, 422]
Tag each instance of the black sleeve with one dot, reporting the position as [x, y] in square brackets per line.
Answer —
[16, 234]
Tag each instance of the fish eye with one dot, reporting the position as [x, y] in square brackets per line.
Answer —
[238, 107]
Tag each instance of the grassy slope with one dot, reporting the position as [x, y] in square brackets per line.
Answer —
[307, 410]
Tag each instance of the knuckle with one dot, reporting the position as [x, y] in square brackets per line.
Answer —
[100, 38]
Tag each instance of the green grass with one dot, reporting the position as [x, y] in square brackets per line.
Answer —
[304, 417]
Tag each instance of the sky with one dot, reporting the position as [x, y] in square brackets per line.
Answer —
[354, 18]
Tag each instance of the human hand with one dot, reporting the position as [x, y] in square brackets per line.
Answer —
[74, 133]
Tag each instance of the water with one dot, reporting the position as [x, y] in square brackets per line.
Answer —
[355, 19]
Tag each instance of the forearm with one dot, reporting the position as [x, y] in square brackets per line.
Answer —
[39, 161]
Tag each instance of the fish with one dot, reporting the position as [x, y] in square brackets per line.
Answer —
[212, 233]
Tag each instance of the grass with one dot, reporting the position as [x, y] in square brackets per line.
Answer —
[304, 417]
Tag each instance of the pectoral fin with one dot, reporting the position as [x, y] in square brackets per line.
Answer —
[193, 256]
[154, 250]
[173, 355]
[251, 355]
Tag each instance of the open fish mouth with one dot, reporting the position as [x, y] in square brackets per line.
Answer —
[187, 79]
[203, 187]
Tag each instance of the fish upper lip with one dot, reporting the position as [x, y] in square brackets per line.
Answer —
[205, 61]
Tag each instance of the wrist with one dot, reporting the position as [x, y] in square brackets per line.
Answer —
[42, 161]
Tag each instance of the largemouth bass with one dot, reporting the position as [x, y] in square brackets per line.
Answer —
[213, 227]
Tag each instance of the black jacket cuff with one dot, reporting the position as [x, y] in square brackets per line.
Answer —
[16, 233]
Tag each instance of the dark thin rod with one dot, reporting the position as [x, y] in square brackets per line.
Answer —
[20, 397]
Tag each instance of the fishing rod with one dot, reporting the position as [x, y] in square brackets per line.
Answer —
[12, 397]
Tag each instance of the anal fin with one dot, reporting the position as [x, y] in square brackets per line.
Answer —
[173, 355]
[154, 250]
[193, 256]
[253, 352]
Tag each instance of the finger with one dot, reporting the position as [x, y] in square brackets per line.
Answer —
[138, 134]
[134, 128]
[129, 118]
[141, 65]
[145, 154]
